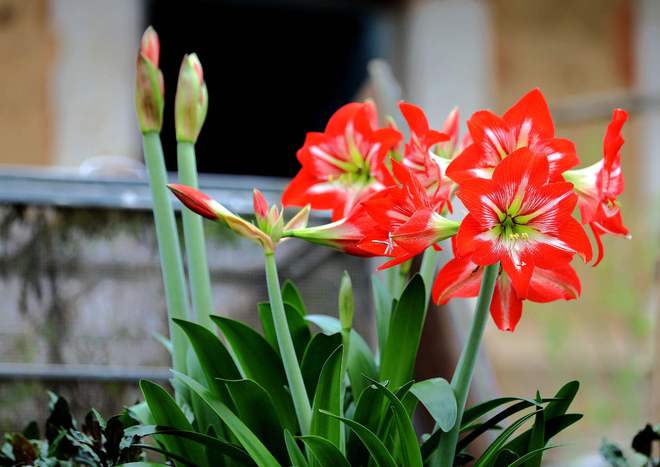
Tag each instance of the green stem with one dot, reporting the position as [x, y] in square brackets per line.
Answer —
[287, 351]
[460, 382]
[393, 280]
[193, 230]
[176, 296]
[427, 270]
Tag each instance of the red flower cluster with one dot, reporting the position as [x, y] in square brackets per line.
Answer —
[511, 174]
[389, 199]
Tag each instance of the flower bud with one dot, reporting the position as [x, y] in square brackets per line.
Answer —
[346, 303]
[150, 46]
[149, 100]
[260, 204]
[191, 102]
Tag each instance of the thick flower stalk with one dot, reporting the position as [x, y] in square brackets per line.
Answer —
[599, 186]
[345, 163]
[149, 109]
[527, 124]
[268, 233]
[190, 107]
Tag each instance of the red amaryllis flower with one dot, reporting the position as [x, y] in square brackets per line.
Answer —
[407, 219]
[343, 164]
[418, 155]
[527, 124]
[520, 220]
[344, 234]
[461, 277]
[599, 185]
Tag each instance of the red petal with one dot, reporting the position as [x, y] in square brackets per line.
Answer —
[561, 156]
[573, 234]
[548, 285]
[470, 163]
[417, 121]
[341, 118]
[520, 273]
[613, 139]
[307, 189]
[466, 243]
[492, 135]
[532, 110]
[506, 307]
[472, 194]
[597, 233]
[460, 277]
[522, 167]
[450, 127]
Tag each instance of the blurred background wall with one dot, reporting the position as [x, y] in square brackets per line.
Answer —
[277, 69]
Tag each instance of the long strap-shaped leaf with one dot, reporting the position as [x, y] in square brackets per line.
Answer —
[375, 446]
[490, 455]
[295, 454]
[409, 446]
[325, 452]
[248, 440]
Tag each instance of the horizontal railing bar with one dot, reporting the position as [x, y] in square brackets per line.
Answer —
[76, 372]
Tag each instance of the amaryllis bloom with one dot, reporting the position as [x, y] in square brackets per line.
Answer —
[345, 163]
[599, 186]
[344, 235]
[418, 153]
[270, 222]
[460, 277]
[521, 220]
[407, 217]
[527, 124]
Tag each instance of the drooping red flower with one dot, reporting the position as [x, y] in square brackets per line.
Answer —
[520, 219]
[599, 186]
[343, 164]
[461, 277]
[345, 234]
[527, 124]
[407, 217]
[418, 153]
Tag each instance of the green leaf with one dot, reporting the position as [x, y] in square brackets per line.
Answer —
[260, 363]
[530, 455]
[490, 455]
[325, 452]
[369, 412]
[410, 452]
[438, 397]
[492, 422]
[213, 357]
[400, 352]
[165, 411]
[377, 449]
[361, 361]
[537, 437]
[318, 350]
[203, 418]
[328, 398]
[295, 454]
[291, 294]
[476, 411]
[234, 452]
[555, 418]
[298, 327]
[552, 427]
[255, 408]
[383, 303]
[254, 447]
[177, 458]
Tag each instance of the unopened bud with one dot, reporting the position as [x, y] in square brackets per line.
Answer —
[191, 102]
[149, 90]
[346, 303]
[150, 46]
[260, 204]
